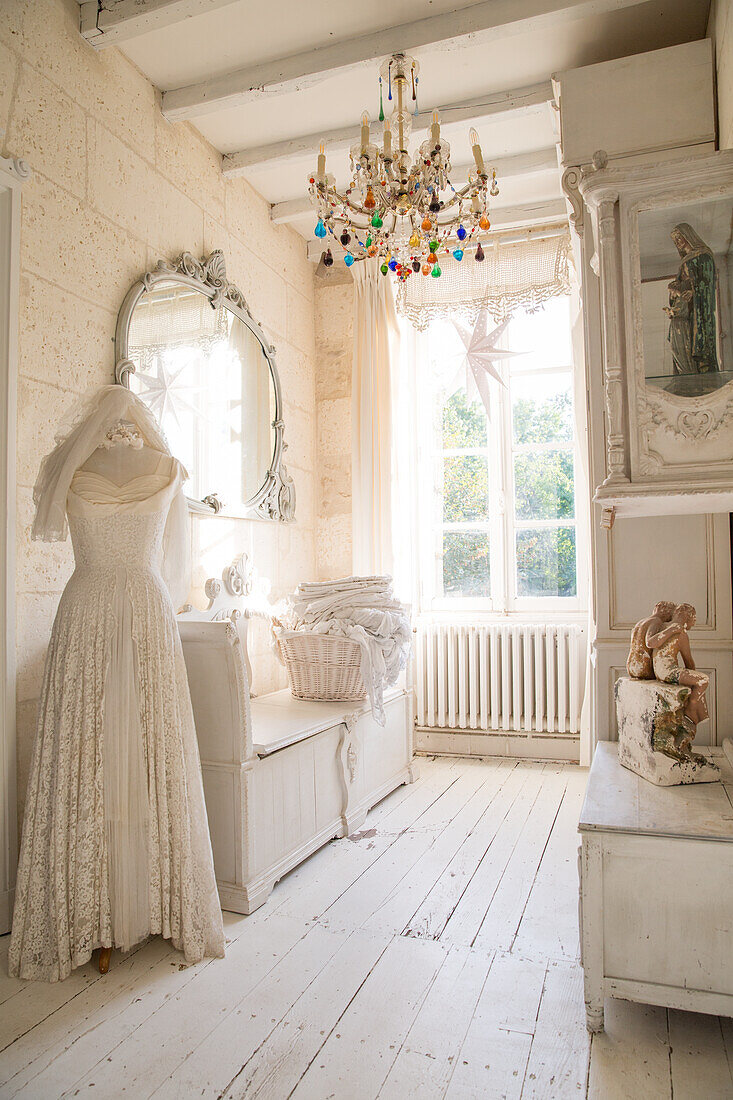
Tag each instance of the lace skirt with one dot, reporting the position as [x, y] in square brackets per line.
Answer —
[65, 896]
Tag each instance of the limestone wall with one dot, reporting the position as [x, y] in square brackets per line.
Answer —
[114, 188]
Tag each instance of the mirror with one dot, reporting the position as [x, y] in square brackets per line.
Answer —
[684, 252]
[189, 347]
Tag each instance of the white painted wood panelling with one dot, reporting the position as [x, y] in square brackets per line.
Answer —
[623, 106]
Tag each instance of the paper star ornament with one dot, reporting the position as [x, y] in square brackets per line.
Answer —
[481, 353]
[166, 394]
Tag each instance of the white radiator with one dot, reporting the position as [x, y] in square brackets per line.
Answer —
[500, 676]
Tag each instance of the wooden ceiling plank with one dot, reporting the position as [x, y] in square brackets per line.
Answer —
[284, 75]
[482, 107]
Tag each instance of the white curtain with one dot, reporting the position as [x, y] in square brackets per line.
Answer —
[376, 343]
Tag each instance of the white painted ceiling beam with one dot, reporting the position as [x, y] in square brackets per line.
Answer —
[524, 164]
[547, 212]
[482, 107]
[497, 18]
[110, 22]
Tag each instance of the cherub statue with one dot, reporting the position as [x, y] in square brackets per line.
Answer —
[659, 718]
[668, 646]
[639, 662]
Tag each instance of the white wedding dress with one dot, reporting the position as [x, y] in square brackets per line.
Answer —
[115, 842]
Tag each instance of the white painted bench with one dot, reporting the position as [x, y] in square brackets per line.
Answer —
[282, 777]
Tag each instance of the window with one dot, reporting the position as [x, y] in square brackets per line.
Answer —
[497, 494]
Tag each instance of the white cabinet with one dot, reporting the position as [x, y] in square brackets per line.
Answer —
[656, 890]
[625, 105]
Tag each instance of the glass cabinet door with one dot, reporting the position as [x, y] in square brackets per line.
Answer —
[685, 253]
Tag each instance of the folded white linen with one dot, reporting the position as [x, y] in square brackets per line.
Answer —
[344, 582]
[342, 606]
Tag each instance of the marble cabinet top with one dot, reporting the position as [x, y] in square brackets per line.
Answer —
[617, 800]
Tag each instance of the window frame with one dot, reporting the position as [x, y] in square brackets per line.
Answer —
[502, 524]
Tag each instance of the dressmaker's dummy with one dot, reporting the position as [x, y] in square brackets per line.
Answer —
[122, 458]
[115, 843]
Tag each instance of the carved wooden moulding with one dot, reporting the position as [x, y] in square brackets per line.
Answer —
[662, 250]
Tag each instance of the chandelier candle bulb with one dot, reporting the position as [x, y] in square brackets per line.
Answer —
[321, 172]
[400, 116]
[477, 154]
[387, 139]
[435, 130]
[364, 131]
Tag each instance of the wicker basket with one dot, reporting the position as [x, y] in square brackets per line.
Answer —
[321, 666]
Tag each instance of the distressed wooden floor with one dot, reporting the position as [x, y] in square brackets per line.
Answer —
[433, 955]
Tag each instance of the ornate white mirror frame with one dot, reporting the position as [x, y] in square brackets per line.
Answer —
[665, 453]
[275, 499]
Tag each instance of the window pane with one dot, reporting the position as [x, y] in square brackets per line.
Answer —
[546, 562]
[465, 488]
[464, 422]
[543, 485]
[542, 409]
[543, 336]
[466, 563]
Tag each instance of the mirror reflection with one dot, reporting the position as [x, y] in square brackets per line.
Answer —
[205, 375]
[686, 296]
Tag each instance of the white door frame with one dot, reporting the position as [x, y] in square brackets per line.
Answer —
[13, 174]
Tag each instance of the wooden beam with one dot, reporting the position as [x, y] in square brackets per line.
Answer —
[110, 22]
[548, 212]
[524, 164]
[490, 18]
[482, 107]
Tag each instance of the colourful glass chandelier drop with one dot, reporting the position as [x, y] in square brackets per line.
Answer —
[400, 209]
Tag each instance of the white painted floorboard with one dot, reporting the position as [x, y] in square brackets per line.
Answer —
[434, 954]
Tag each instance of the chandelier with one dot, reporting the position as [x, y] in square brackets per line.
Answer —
[404, 211]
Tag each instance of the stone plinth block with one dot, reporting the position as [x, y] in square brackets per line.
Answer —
[655, 736]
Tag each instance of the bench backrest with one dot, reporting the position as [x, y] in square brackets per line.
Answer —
[218, 679]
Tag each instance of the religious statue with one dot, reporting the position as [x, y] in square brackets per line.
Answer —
[692, 310]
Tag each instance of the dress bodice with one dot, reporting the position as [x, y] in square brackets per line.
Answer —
[121, 525]
[105, 542]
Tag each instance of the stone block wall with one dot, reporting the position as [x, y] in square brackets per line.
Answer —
[115, 187]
